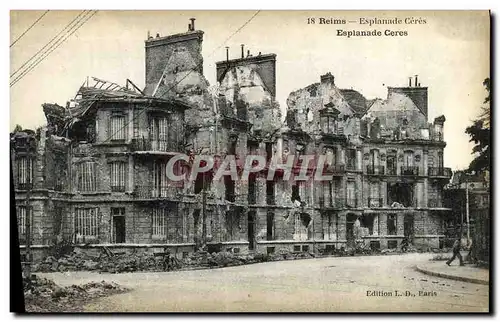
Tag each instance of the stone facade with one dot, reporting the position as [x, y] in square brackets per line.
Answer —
[97, 179]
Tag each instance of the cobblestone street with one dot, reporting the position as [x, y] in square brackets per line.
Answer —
[344, 284]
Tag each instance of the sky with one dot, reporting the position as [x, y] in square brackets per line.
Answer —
[450, 54]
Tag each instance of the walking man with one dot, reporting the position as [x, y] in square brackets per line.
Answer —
[456, 253]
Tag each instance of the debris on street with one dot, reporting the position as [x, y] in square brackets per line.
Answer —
[43, 295]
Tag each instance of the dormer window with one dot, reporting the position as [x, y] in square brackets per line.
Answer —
[328, 119]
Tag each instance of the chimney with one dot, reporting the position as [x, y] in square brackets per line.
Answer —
[328, 78]
[157, 35]
[416, 80]
[192, 23]
[227, 53]
[242, 51]
[248, 53]
[409, 84]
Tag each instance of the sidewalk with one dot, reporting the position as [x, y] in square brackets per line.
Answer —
[467, 273]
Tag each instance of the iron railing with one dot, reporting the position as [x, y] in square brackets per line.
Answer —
[409, 170]
[439, 172]
[375, 169]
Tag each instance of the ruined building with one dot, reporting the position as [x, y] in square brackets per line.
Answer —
[96, 174]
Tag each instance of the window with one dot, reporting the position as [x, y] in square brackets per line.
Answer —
[21, 219]
[117, 127]
[86, 176]
[159, 222]
[408, 158]
[329, 226]
[301, 231]
[374, 158]
[159, 133]
[374, 200]
[391, 162]
[24, 172]
[270, 226]
[118, 176]
[391, 224]
[440, 160]
[86, 223]
[160, 179]
[351, 159]
[351, 193]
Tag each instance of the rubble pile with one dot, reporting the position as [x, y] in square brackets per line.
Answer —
[43, 295]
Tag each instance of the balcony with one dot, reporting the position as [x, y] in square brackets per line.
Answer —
[25, 186]
[435, 203]
[351, 165]
[155, 192]
[375, 170]
[409, 171]
[351, 202]
[375, 202]
[335, 170]
[392, 171]
[117, 188]
[144, 144]
[439, 172]
[331, 203]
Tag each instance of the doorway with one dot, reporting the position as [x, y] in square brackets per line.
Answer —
[350, 220]
[409, 226]
[251, 230]
[118, 215]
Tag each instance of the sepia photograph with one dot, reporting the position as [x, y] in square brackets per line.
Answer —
[250, 161]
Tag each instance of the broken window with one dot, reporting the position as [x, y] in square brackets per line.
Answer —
[159, 223]
[270, 226]
[86, 176]
[351, 159]
[158, 133]
[295, 192]
[367, 224]
[400, 193]
[117, 127]
[118, 172]
[373, 167]
[86, 223]
[302, 221]
[24, 172]
[391, 224]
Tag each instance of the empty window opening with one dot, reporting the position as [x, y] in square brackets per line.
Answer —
[118, 215]
[270, 192]
[270, 226]
[229, 185]
[391, 224]
[269, 151]
[366, 224]
[270, 250]
[252, 189]
[391, 163]
[400, 193]
[392, 244]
